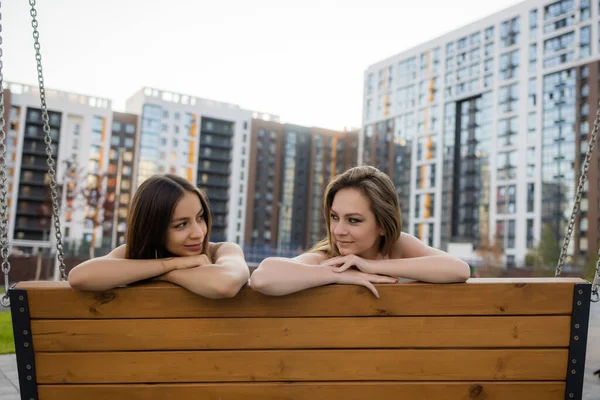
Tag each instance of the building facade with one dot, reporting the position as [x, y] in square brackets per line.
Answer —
[80, 132]
[291, 166]
[204, 141]
[487, 126]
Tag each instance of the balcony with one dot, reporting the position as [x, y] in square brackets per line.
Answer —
[214, 170]
[225, 144]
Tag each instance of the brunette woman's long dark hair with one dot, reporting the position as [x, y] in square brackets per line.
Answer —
[151, 212]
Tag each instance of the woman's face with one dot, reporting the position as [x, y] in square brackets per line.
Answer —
[187, 228]
[353, 226]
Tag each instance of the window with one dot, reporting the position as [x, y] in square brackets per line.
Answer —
[532, 58]
[508, 132]
[506, 199]
[509, 98]
[530, 197]
[509, 65]
[130, 129]
[510, 239]
[116, 126]
[507, 165]
[510, 261]
[585, 41]
[489, 33]
[531, 162]
[531, 128]
[559, 43]
[509, 32]
[530, 233]
[533, 24]
[532, 97]
[584, 10]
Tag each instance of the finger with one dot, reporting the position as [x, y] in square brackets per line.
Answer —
[343, 267]
[382, 279]
[333, 261]
[370, 286]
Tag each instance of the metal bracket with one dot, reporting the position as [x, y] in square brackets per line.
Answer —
[580, 318]
[23, 344]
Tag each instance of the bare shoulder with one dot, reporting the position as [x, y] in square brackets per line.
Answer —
[119, 252]
[311, 258]
[222, 249]
[409, 246]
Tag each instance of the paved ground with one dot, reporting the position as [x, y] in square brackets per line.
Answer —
[591, 385]
[9, 380]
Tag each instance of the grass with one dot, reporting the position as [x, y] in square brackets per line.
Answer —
[7, 344]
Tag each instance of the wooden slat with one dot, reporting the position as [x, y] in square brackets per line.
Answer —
[295, 333]
[314, 391]
[54, 300]
[301, 365]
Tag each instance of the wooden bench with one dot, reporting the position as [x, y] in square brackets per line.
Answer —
[485, 339]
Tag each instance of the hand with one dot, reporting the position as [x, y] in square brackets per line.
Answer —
[175, 263]
[352, 277]
[342, 263]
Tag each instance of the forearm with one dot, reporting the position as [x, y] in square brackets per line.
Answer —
[433, 269]
[103, 273]
[281, 276]
[211, 281]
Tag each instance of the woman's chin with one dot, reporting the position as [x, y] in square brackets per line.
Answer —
[344, 251]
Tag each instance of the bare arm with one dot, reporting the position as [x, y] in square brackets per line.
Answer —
[276, 276]
[113, 270]
[222, 279]
[411, 259]
[280, 276]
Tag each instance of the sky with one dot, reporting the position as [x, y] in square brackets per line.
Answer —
[301, 60]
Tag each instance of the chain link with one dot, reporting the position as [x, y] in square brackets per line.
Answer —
[596, 282]
[48, 141]
[579, 193]
[4, 244]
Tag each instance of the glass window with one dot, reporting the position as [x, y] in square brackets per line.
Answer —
[489, 33]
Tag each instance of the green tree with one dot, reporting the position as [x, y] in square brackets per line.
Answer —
[589, 269]
[548, 252]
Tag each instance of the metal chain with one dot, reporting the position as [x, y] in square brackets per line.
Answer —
[579, 193]
[4, 251]
[596, 282]
[48, 141]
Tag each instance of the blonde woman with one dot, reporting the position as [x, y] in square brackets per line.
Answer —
[364, 243]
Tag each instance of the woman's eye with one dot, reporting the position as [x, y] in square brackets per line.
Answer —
[354, 220]
[200, 217]
[334, 217]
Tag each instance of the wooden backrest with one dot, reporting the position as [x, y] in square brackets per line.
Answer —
[485, 339]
